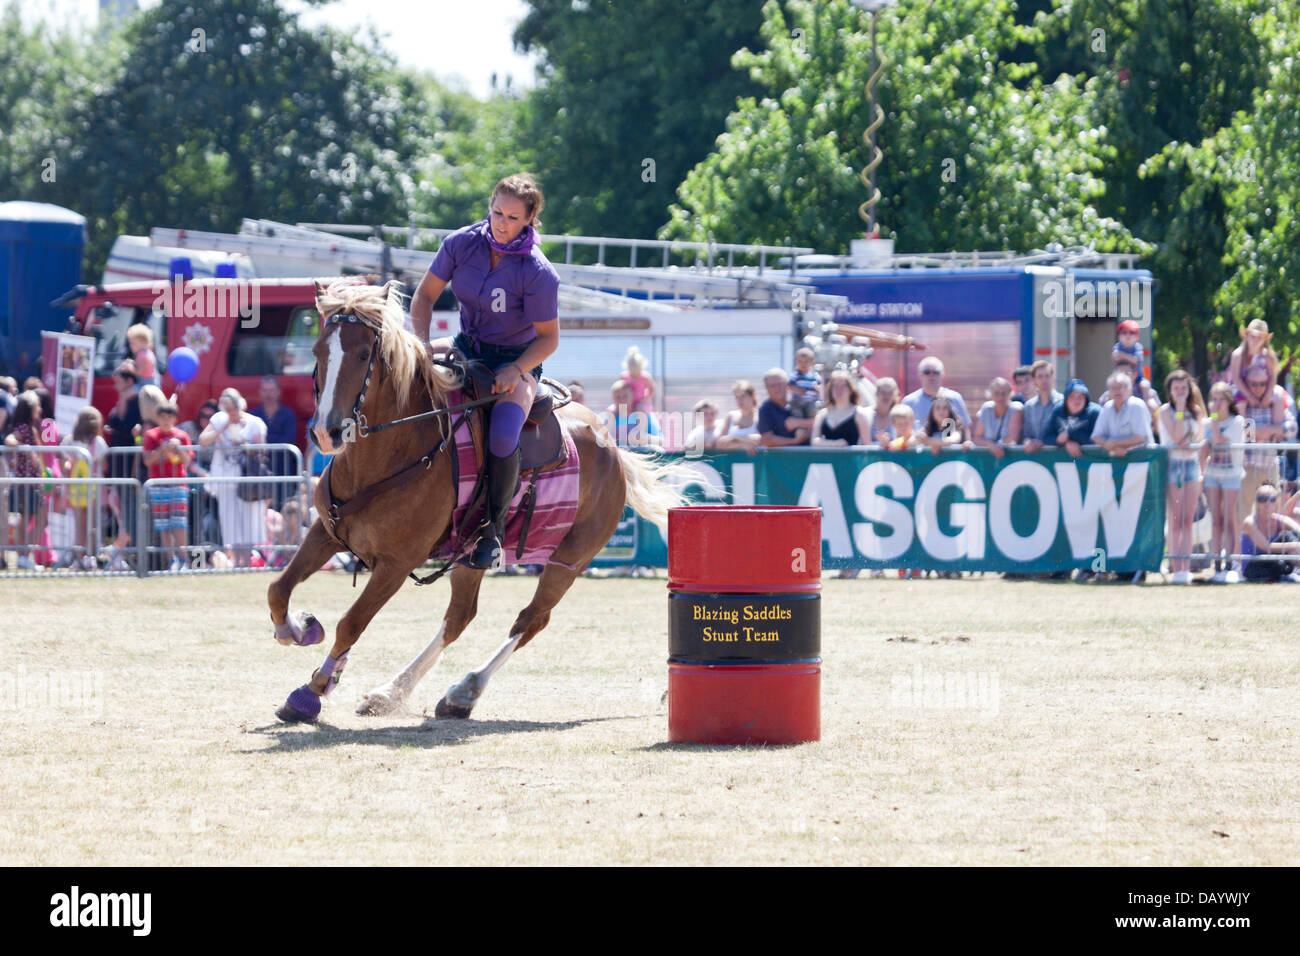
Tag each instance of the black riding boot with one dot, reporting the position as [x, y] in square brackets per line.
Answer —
[502, 482]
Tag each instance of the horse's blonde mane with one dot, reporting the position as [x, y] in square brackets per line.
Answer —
[405, 355]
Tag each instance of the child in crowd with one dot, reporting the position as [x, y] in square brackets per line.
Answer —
[1073, 420]
[287, 532]
[167, 456]
[86, 435]
[642, 385]
[52, 498]
[26, 430]
[805, 385]
[944, 427]
[1223, 474]
[904, 421]
[1128, 350]
[139, 339]
[1253, 352]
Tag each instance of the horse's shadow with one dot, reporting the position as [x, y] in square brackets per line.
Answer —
[430, 732]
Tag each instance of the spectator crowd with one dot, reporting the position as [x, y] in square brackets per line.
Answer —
[192, 522]
[1250, 494]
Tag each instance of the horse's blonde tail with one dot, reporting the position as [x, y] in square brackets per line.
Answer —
[649, 486]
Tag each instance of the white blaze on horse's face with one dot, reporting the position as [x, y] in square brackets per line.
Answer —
[325, 420]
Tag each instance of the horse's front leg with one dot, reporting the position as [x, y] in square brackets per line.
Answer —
[314, 551]
[386, 579]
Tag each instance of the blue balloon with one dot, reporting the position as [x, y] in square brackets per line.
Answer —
[182, 364]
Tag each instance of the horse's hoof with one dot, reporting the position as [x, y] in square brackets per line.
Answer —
[302, 707]
[311, 631]
[292, 715]
[378, 703]
[446, 708]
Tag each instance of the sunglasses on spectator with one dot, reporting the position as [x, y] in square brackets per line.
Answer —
[1257, 383]
[930, 371]
[1265, 499]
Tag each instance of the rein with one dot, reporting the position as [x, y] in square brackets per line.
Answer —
[364, 428]
[340, 510]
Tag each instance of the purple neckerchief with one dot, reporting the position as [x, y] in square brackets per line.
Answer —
[520, 245]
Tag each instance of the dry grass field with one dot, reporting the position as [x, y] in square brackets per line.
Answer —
[978, 721]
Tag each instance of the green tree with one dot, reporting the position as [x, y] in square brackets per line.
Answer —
[1170, 76]
[978, 153]
[48, 76]
[1252, 163]
[230, 108]
[632, 96]
[470, 146]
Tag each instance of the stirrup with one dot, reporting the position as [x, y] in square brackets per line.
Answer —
[494, 558]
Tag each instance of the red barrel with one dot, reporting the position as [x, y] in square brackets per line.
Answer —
[744, 625]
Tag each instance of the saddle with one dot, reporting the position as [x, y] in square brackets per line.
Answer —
[541, 443]
[541, 448]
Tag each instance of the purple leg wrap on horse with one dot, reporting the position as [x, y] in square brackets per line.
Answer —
[304, 701]
[312, 632]
[333, 669]
[507, 422]
[285, 629]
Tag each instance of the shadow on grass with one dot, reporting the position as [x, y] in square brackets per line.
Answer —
[430, 732]
[668, 746]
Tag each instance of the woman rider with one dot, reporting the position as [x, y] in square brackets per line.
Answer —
[508, 295]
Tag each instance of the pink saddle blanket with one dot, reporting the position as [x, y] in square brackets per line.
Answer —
[553, 515]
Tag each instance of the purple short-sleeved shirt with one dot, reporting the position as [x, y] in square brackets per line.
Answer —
[528, 284]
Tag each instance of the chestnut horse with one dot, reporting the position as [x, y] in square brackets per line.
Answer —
[371, 370]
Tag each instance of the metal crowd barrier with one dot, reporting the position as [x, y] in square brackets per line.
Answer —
[125, 502]
[1285, 452]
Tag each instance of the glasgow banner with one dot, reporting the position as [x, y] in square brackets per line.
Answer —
[956, 511]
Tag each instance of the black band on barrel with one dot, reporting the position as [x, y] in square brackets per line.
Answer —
[744, 627]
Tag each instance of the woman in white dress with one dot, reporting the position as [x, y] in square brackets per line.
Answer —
[243, 523]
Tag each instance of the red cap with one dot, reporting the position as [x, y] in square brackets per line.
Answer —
[1128, 325]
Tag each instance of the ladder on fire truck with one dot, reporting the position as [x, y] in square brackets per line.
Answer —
[280, 249]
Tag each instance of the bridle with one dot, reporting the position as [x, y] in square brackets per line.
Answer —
[341, 509]
[365, 429]
[352, 319]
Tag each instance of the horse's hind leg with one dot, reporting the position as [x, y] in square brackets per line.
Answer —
[386, 579]
[314, 551]
[391, 696]
[459, 701]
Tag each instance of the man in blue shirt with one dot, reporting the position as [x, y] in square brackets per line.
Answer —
[1038, 410]
[931, 370]
[281, 429]
[1125, 421]
[777, 422]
